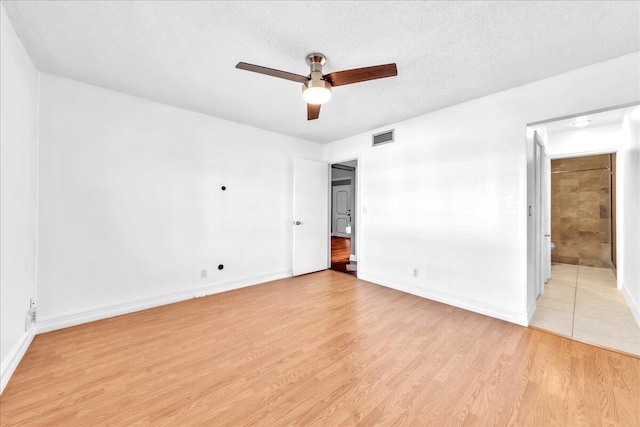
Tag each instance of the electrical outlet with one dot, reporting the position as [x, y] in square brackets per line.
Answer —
[33, 310]
[30, 318]
[415, 272]
[203, 273]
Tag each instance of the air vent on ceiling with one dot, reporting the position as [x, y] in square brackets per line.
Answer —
[383, 137]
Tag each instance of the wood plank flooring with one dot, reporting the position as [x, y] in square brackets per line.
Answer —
[340, 253]
[320, 349]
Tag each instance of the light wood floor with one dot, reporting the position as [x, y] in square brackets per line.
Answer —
[321, 349]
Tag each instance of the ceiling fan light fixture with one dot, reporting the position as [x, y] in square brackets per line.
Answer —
[316, 95]
[316, 91]
[316, 86]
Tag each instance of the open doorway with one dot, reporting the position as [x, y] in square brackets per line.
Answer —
[583, 298]
[343, 217]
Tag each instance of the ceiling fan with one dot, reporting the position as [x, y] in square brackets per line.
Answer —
[316, 87]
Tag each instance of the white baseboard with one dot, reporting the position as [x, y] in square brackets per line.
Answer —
[635, 310]
[471, 304]
[352, 257]
[14, 357]
[52, 323]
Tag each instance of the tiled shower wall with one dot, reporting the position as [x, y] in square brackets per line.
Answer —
[581, 211]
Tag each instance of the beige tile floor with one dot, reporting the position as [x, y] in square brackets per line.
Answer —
[584, 303]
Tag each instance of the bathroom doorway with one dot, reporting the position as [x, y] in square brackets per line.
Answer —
[343, 217]
[584, 298]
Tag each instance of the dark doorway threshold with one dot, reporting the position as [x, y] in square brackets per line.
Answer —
[340, 252]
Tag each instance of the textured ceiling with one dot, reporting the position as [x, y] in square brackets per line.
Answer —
[184, 53]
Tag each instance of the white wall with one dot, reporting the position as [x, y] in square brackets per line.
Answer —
[450, 196]
[18, 112]
[584, 142]
[131, 207]
[628, 216]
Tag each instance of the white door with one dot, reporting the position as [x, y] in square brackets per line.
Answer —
[310, 216]
[542, 220]
[341, 210]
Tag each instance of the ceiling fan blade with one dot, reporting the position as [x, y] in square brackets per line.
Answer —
[272, 72]
[356, 75]
[313, 111]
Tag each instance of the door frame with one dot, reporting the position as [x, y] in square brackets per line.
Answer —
[355, 211]
[532, 170]
[538, 214]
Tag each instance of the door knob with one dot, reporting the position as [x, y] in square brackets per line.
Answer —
[296, 223]
[547, 235]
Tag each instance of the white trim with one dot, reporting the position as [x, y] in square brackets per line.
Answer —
[584, 153]
[635, 310]
[585, 113]
[51, 323]
[353, 257]
[11, 362]
[531, 310]
[466, 303]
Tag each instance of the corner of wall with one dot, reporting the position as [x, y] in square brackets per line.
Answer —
[16, 354]
[635, 310]
[531, 310]
[20, 93]
[37, 192]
